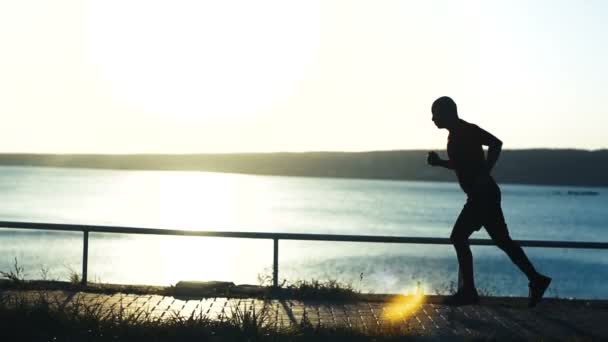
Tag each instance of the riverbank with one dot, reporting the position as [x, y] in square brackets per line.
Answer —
[568, 167]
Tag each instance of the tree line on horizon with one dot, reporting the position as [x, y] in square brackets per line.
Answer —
[533, 166]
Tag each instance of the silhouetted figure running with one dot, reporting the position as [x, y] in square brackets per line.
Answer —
[467, 159]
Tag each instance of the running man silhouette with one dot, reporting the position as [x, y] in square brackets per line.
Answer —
[467, 159]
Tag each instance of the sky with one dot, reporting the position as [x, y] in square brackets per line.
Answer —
[123, 76]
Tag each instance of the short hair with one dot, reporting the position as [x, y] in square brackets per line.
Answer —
[445, 105]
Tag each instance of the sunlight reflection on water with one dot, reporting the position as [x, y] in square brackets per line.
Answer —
[229, 202]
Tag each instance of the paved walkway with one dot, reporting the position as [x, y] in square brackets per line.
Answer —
[495, 318]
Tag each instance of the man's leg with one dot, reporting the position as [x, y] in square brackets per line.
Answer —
[497, 229]
[463, 228]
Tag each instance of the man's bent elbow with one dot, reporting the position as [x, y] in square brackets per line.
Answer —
[497, 144]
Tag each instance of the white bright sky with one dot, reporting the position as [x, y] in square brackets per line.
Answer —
[242, 76]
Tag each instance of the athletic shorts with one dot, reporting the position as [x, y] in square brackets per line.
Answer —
[482, 210]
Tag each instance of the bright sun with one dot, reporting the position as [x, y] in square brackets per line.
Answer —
[212, 60]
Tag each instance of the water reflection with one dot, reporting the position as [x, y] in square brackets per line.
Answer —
[229, 202]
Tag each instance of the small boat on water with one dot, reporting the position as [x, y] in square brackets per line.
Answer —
[577, 193]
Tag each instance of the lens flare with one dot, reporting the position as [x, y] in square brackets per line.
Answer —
[402, 307]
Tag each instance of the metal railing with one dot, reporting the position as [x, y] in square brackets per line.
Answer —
[86, 229]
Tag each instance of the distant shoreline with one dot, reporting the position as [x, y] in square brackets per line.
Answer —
[565, 167]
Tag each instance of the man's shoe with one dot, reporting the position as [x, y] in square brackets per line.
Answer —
[537, 289]
[462, 297]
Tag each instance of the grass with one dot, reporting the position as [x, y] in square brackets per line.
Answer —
[16, 274]
[40, 316]
[86, 321]
[316, 289]
[329, 290]
[43, 319]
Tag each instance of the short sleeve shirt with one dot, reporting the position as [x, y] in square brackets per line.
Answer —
[465, 150]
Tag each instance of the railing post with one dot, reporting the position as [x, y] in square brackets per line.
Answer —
[85, 257]
[275, 264]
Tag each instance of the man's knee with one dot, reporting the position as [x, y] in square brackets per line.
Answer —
[458, 239]
[505, 243]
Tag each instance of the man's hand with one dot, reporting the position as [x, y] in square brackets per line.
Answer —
[433, 159]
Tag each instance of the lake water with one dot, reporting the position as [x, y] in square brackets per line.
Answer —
[231, 202]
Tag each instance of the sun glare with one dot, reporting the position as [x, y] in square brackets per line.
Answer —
[208, 61]
[214, 202]
[403, 307]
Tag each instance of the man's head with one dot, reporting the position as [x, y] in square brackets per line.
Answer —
[445, 113]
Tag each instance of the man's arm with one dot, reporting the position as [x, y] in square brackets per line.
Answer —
[494, 147]
[446, 163]
[493, 153]
[434, 160]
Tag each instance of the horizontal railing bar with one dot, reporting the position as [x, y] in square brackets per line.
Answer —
[291, 236]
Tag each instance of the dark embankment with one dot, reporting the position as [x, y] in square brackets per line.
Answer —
[538, 166]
